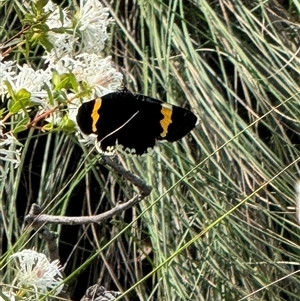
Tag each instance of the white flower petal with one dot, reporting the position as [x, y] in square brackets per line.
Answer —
[93, 20]
[34, 270]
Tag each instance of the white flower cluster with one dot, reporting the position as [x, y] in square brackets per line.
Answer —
[35, 277]
[24, 77]
[77, 41]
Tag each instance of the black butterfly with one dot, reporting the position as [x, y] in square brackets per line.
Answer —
[133, 123]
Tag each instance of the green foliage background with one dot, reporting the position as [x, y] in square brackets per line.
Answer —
[236, 65]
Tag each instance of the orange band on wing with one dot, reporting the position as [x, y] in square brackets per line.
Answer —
[95, 115]
[166, 110]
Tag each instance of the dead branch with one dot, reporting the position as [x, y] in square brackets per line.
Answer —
[38, 220]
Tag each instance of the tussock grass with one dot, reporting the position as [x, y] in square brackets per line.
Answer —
[236, 66]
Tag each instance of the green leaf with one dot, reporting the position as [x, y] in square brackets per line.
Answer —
[10, 104]
[19, 129]
[41, 28]
[65, 80]
[28, 19]
[40, 4]
[59, 96]
[46, 43]
[23, 95]
[49, 93]
[48, 127]
[10, 90]
[22, 100]
[67, 124]
[73, 82]
[22, 125]
[55, 78]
